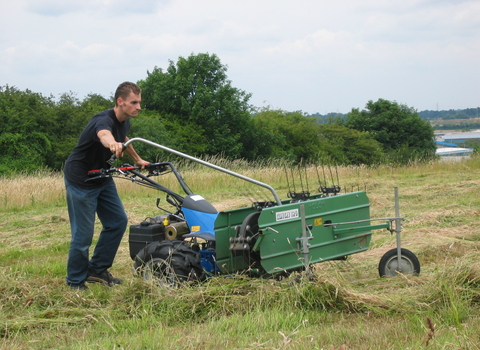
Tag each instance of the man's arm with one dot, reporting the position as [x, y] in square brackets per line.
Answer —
[134, 156]
[108, 141]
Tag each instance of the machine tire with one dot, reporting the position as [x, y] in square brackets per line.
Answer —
[388, 265]
[169, 264]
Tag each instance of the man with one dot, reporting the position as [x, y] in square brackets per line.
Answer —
[103, 136]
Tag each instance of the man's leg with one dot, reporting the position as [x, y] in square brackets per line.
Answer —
[81, 210]
[112, 215]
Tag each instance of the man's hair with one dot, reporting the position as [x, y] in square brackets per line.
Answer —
[124, 89]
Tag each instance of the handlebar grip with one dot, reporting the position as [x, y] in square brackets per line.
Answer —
[113, 158]
[95, 172]
[156, 166]
[151, 166]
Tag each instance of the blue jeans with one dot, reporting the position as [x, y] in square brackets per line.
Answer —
[82, 206]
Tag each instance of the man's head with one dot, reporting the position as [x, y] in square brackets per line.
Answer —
[127, 101]
[124, 89]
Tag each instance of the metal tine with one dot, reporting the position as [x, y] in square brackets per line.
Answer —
[338, 180]
[293, 180]
[324, 176]
[331, 175]
[286, 175]
[305, 188]
[300, 174]
[306, 177]
[318, 176]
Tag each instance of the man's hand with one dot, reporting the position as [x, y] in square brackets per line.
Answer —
[142, 163]
[117, 149]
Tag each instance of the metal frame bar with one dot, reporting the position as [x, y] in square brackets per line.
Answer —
[258, 183]
[304, 245]
[398, 225]
[398, 228]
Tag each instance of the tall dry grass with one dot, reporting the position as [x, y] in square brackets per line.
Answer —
[43, 188]
[24, 191]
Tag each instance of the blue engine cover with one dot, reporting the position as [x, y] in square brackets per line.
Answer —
[200, 216]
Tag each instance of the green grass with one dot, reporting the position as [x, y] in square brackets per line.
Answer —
[346, 304]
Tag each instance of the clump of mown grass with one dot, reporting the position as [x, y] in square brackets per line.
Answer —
[234, 304]
[454, 289]
[226, 295]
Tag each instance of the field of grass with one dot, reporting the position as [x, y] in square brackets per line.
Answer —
[347, 305]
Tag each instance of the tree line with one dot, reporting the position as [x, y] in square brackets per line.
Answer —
[468, 113]
[192, 107]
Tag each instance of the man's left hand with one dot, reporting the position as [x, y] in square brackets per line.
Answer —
[142, 163]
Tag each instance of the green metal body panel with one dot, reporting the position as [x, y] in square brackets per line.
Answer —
[280, 227]
[282, 251]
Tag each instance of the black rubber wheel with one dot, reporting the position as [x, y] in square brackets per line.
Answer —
[389, 263]
[169, 264]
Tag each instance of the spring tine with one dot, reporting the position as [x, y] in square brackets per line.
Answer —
[336, 171]
[318, 175]
[300, 174]
[306, 176]
[331, 175]
[293, 180]
[324, 176]
[286, 175]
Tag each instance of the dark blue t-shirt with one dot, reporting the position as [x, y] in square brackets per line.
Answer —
[90, 154]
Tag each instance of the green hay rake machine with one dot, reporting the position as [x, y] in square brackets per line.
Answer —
[266, 239]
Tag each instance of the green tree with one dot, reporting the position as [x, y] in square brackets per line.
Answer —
[25, 121]
[151, 126]
[70, 115]
[350, 146]
[289, 135]
[404, 135]
[95, 103]
[297, 137]
[269, 139]
[195, 93]
[69, 122]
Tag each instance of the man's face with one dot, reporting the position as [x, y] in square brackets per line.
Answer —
[130, 105]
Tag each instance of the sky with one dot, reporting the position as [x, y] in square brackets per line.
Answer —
[313, 56]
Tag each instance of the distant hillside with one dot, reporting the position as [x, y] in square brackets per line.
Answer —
[459, 118]
[468, 113]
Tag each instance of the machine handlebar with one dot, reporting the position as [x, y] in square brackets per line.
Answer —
[113, 158]
[153, 168]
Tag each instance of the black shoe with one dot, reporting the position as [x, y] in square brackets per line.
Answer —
[80, 286]
[105, 278]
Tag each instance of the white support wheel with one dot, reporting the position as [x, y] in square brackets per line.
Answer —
[390, 265]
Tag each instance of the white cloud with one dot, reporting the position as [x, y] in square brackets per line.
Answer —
[309, 55]
[105, 7]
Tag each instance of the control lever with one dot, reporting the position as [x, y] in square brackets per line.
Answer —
[113, 158]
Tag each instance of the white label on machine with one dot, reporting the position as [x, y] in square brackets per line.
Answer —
[288, 214]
